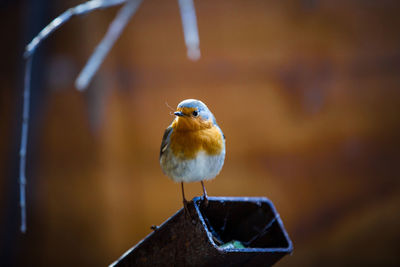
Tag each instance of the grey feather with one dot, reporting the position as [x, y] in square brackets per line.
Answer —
[165, 140]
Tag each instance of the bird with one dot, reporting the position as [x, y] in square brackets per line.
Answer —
[193, 146]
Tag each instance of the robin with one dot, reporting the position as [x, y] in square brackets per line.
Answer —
[193, 146]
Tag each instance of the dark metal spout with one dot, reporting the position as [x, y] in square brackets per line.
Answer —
[228, 231]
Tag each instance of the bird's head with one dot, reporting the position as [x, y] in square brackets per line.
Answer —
[192, 114]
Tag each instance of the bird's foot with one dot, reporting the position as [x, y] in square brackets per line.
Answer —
[185, 207]
[205, 201]
[205, 198]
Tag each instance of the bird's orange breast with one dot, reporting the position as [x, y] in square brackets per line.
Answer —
[189, 136]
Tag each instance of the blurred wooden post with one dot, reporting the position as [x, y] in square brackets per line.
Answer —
[228, 232]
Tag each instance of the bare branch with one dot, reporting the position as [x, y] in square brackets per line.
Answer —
[64, 17]
[114, 31]
[189, 23]
[24, 142]
[29, 51]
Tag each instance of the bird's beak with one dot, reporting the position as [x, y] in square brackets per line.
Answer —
[179, 113]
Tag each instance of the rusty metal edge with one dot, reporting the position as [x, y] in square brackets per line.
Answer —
[144, 239]
[195, 201]
[288, 249]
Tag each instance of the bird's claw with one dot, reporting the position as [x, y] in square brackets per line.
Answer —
[185, 207]
[205, 201]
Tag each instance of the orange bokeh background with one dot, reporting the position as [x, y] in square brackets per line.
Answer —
[306, 92]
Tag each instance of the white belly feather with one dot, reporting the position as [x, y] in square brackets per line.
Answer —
[202, 167]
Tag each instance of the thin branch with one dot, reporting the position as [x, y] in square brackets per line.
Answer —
[114, 31]
[64, 17]
[29, 52]
[190, 31]
[24, 142]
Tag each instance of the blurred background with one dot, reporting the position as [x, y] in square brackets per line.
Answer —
[306, 92]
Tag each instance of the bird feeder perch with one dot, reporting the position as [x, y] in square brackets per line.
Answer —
[230, 231]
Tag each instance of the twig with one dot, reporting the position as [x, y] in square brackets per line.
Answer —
[64, 17]
[29, 52]
[24, 142]
[189, 23]
[114, 31]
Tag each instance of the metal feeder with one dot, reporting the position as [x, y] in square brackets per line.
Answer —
[230, 231]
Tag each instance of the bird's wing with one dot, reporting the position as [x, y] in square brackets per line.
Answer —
[165, 140]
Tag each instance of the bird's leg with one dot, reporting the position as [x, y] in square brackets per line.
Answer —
[186, 210]
[204, 194]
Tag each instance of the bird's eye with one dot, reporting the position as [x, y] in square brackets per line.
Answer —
[195, 113]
